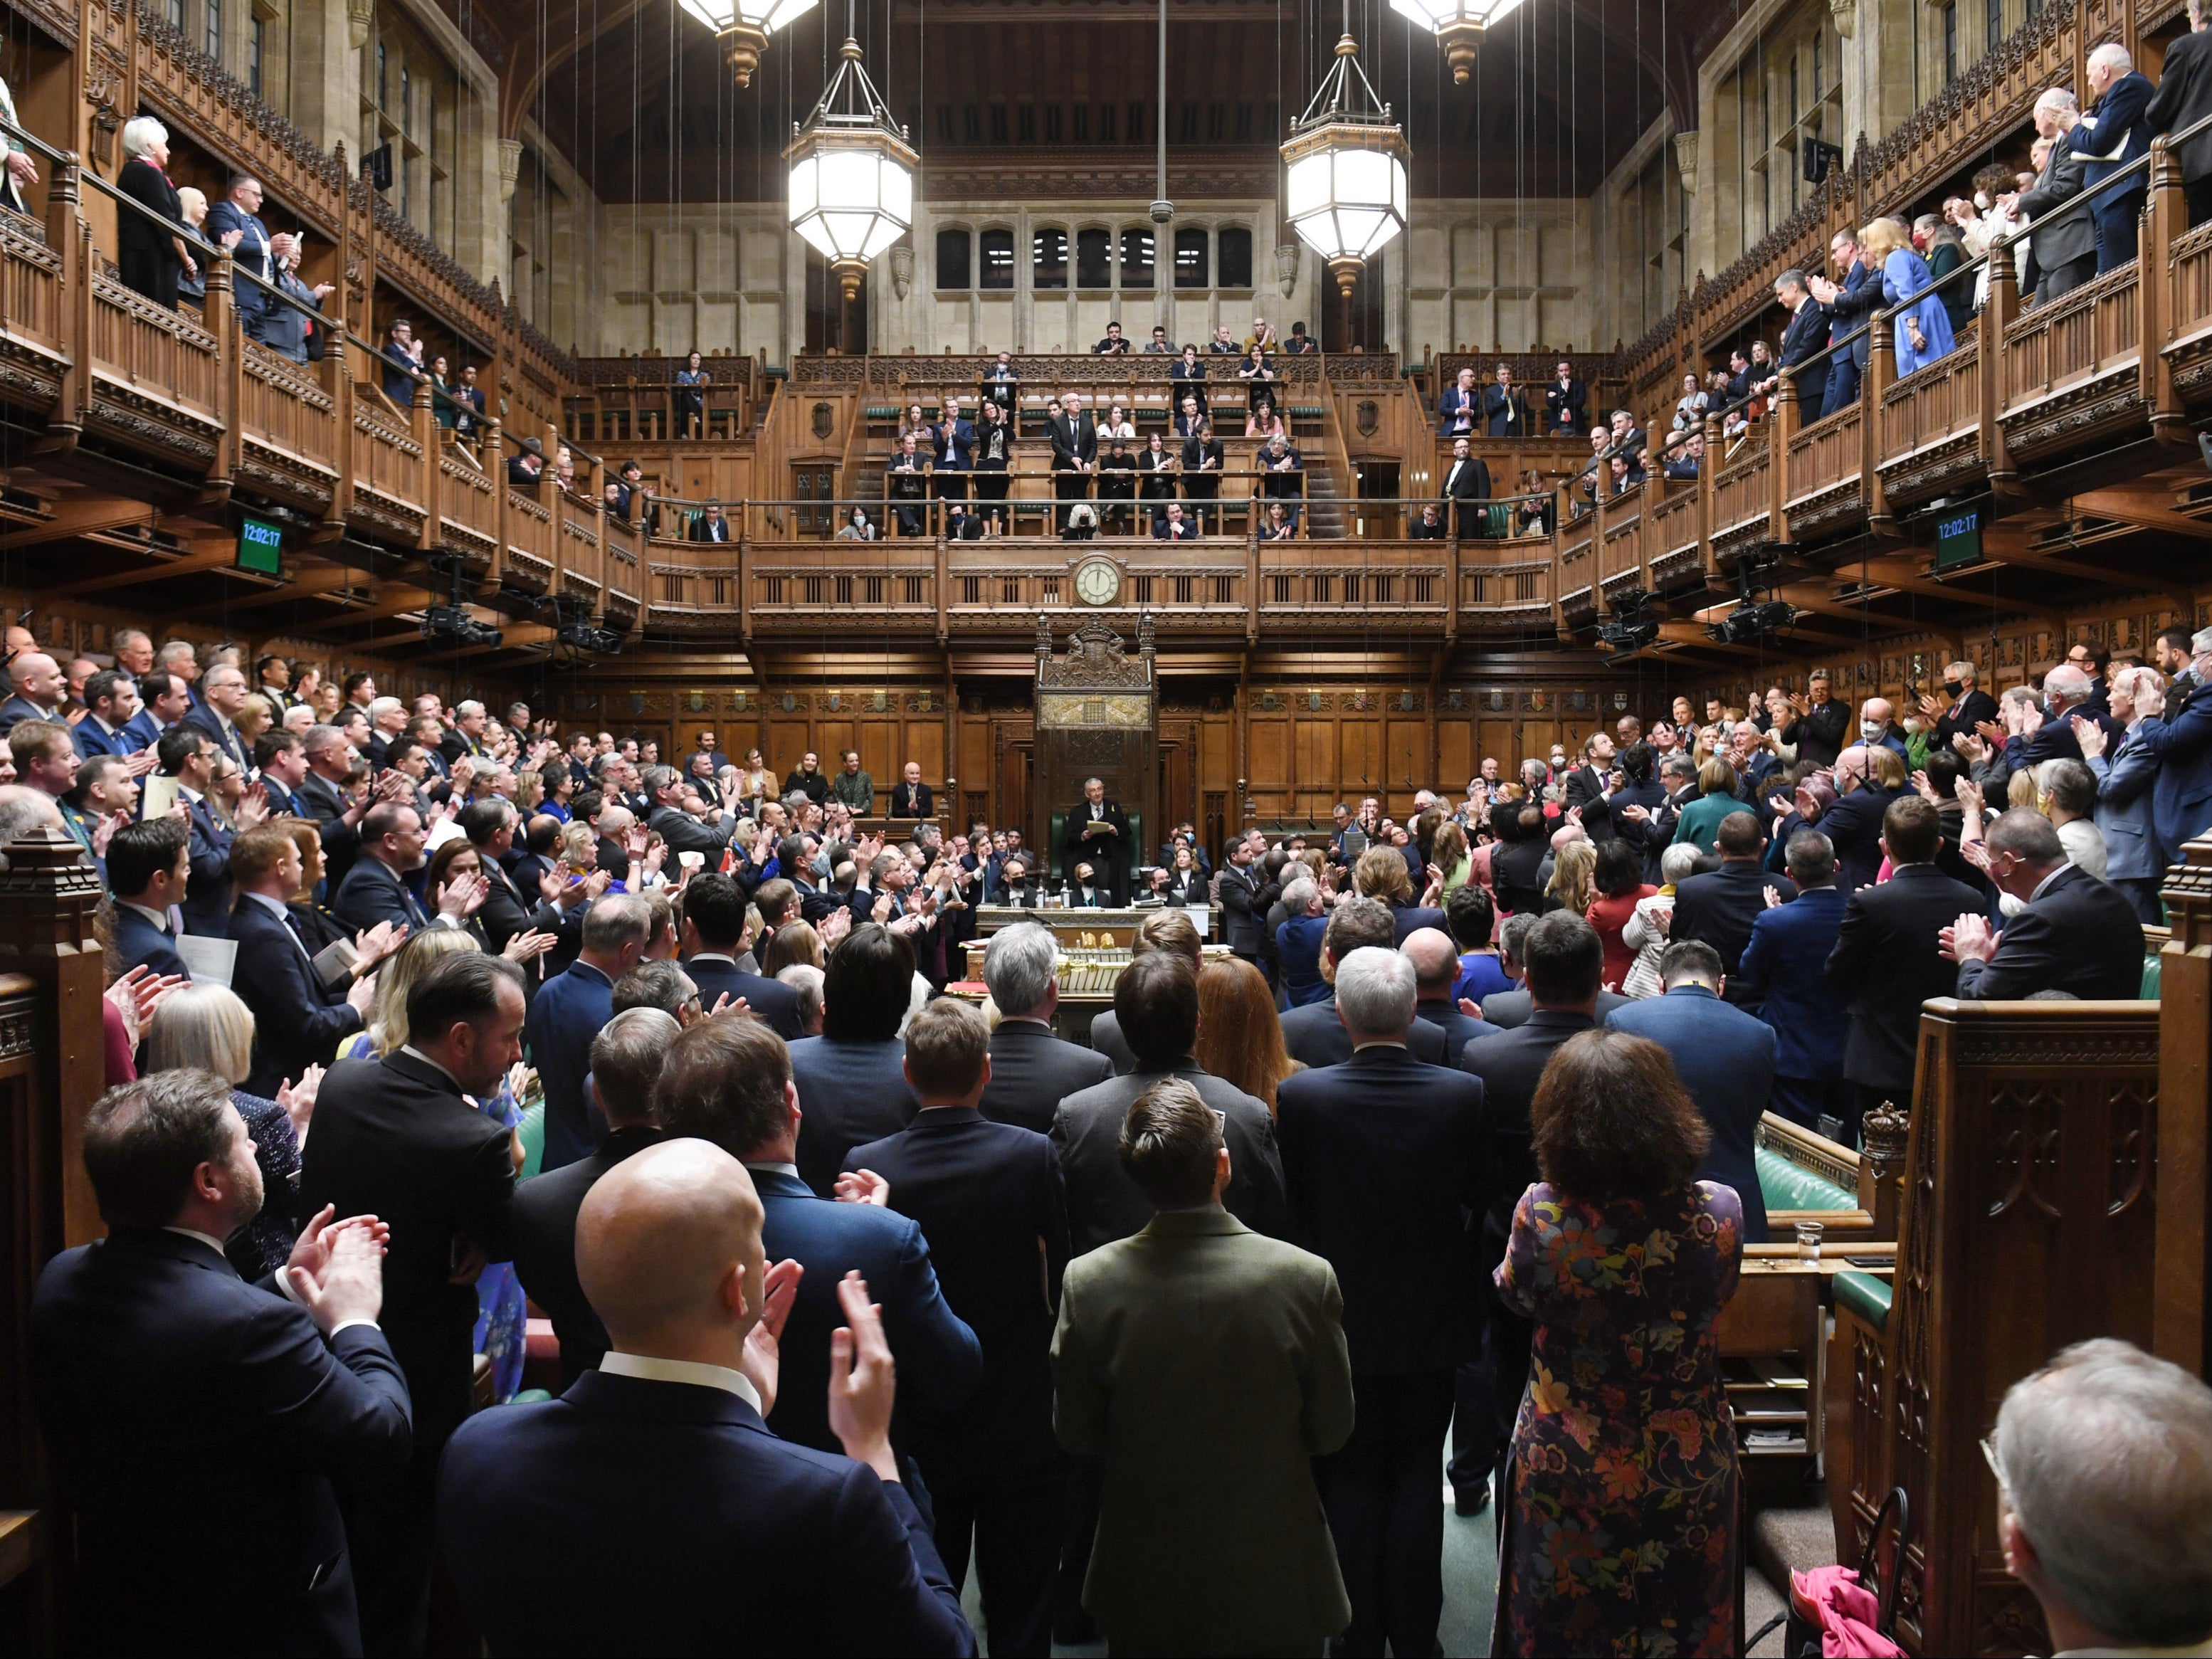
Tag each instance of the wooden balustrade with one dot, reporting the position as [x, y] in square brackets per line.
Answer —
[2072, 369]
[1927, 437]
[1742, 492]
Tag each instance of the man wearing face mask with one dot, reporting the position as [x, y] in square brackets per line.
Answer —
[1963, 705]
[1878, 728]
[2065, 693]
[1853, 824]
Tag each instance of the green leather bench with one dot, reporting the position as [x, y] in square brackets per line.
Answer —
[1863, 1295]
[1788, 1185]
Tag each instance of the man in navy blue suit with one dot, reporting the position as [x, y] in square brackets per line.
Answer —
[234, 223]
[714, 924]
[1725, 1058]
[729, 1080]
[375, 886]
[1383, 1158]
[650, 1510]
[2076, 934]
[566, 1013]
[988, 1197]
[163, 701]
[851, 1080]
[149, 868]
[282, 760]
[2181, 798]
[186, 1410]
[1313, 1034]
[2111, 133]
[222, 697]
[1721, 906]
[187, 754]
[1784, 970]
[1436, 971]
[298, 1021]
[111, 699]
[1848, 306]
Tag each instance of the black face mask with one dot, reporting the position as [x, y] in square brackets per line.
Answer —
[1952, 689]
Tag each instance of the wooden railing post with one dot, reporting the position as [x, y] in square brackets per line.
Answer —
[219, 311]
[1706, 468]
[425, 427]
[1252, 590]
[1874, 385]
[2165, 218]
[2181, 1260]
[942, 579]
[1453, 600]
[1781, 427]
[71, 238]
[1997, 313]
[745, 581]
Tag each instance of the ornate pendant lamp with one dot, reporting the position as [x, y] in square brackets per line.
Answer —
[851, 172]
[1347, 158]
[1459, 26]
[743, 27]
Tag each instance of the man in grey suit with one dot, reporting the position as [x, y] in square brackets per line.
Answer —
[1205, 1367]
[2064, 243]
[2123, 786]
[1032, 1071]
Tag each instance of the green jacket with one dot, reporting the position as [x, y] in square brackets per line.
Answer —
[1205, 1364]
[854, 789]
[1701, 819]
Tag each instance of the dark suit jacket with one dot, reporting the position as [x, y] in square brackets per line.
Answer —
[1725, 1058]
[566, 1017]
[1886, 964]
[1313, 1034]
[296, 1022]
[373, 892]
[1511, 1065]
[1808, 333]
[1853, 827]
[1458, 1029]
[2081, 936]
[555, 1521]
[2059, 239]
[195, 1423]
[1784, 970]
[1074, 446]
[1819, 733]
[1107, 1039]
[90, 740]
[1510, 1010]
[774, 1001]
[988, 1198]
[1974, 708]
[939, 1361]
[1720, 908]
[849, 1094]
[1032, 1071]
[701, 530]
[1241, 922]
[2181, 798]
[911, 800]
[201, 718]
[207, 896]
[341, 841]
[2184, 98]
[138, 941]
[2118, 115]
[20, 708]
[1586, 789]
[544, 1224]
[1467, 481]
[1382, 1161]
[1103, 1204]
[393, 1138]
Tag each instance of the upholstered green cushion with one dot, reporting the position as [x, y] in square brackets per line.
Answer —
[1786, 1186]
[1865, 1295]
[2150, 977]
[533, 1139]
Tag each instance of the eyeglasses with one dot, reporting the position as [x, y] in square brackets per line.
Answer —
[1997, 1465]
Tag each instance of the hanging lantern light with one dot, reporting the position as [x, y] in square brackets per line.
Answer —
[1458, 25]
[1346, 159]
[851, 172]
[743, 27]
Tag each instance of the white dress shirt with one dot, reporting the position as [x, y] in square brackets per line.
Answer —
[647, 1369]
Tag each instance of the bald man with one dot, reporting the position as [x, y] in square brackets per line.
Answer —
[1436, 971]
[40, 689]
[650, 1508]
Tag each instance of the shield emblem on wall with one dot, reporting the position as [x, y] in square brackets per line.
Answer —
[825, 420]
[1367, 418]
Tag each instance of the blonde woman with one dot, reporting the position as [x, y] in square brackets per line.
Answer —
[503, 1312]
[1572, 869]
[1449, 854]
[255, 716]
[205, 1027]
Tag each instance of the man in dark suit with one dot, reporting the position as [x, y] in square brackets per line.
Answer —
[1652, 826]
[1586, 788]
[1314, 1033]
[852, 1079]
[1725, 1058]
[222, 697]
[1721, 906]
[1566, 401]
[2064, 243]
[185, 1410]
[1853, 822]
[2184, 98]
[239, 215]
[394, 1137]
[1242, 920]
[187, 754]
[626, 1057]
[1564, 960]
[1467, 487]
[570, 1011]
[1163, 930]
[1821, 724]
[1436, 970]
[375, 889]
[2077, 934]
[1459, 411]
[1806, 337]
[1156, 1002]
[710, 525]
[39, 690]
[1098, 831]
[2110, 134]
[988, 1198]
[730, 1081]
[1382, 1163]
[321, 793]
[508, 909]
[111, 701]
[1785, 964]
[298, 1020]
[149, 868]
[650, 1508]
[1074, 453]
[1032, 1071]
[1963, 706]
[713, 926]
[910, 796]
[2181, 797]
[1887, 961]
[163, 700]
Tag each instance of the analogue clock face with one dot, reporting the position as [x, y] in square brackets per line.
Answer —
[1097, 582]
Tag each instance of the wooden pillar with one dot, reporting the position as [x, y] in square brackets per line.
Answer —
[2181, 1263]
[1781, 427]
[220, 309]
[2165, 220]
[1880, 370]
[1998, 314]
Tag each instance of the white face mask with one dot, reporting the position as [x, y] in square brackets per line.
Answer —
[1871, 730]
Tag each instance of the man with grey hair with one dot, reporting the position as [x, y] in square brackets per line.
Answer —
[805, 980]
[658, 984]
[2109, 136]
[568, 1013]
[2181, 801]
[708, 836]
[626, 1057]
[1032, 1071]
[2076, 934]
[387, 720]
[467, 735]
[23, 808]
[2125, 801]
[2036, 735]
[2064, 243]
[1806, 335]
[1314, 1034]
[1382, 1156]
[2103, 1462]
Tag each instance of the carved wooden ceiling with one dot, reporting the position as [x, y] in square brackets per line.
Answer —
[1010, 98]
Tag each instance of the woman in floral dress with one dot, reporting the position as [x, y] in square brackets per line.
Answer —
[1621, 1507]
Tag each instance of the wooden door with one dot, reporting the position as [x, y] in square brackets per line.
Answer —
[814, 486]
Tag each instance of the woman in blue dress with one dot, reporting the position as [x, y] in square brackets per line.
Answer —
[1923, 330]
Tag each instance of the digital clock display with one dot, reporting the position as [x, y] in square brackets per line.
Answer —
[1958, 539]
[260, 548]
